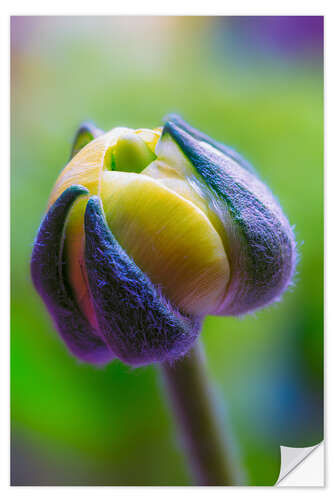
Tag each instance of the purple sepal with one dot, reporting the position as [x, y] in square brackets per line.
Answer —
[200, 136]
[139, 324]
[86, 133]
[47, 271]
[260, 242]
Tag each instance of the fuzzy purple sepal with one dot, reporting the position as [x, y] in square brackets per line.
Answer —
[260, 242]
[139, 324]
[48, 276]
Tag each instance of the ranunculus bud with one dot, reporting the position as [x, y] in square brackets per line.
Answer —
[147, 232]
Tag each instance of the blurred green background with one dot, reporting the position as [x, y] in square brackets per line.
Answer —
[253, 83]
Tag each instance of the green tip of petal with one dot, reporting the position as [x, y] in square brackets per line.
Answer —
[131, 154]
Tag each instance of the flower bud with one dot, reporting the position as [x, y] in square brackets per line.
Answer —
[147, 232]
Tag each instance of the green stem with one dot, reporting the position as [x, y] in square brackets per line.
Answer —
[207, 450]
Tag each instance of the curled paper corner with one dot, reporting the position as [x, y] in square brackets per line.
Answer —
[291, 458]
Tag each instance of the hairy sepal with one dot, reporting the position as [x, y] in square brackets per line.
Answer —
[138, 323]
[260, 242]
[48, 276]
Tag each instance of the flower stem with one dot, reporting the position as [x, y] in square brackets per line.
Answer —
[192, 401]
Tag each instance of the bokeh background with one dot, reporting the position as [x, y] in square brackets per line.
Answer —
[255, 83]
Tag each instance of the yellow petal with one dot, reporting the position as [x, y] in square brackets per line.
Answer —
[170, 239]
[176, 181]
[75, 263]
[86, 167]
[150, 137]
